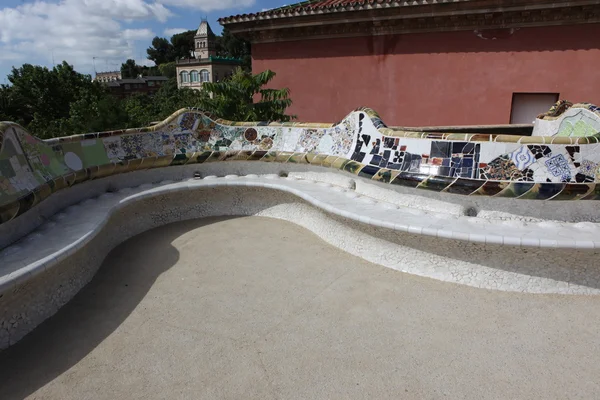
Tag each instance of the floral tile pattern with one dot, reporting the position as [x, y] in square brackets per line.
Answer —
[522, 158]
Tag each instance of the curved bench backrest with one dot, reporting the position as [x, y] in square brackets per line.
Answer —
[564, 120]
[540, 167]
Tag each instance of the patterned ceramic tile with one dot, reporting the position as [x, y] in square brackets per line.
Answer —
[561, 167]
[522, 158]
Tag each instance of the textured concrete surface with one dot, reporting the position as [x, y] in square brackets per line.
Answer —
[254, 308]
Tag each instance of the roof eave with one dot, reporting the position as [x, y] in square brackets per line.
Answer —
[382, 13]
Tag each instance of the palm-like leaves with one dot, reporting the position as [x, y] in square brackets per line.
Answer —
[234, 99]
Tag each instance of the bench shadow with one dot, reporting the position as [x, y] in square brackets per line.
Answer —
[94, 313]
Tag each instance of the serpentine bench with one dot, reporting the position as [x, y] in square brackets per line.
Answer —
[66, 202]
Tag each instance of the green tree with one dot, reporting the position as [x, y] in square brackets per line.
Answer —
[227, 45]
[183, 44]
[139, 109]
[95, 110]
[233, 99]
[9, 104]
[41, 95]
[129, 69]
[170, 99]
[58, 102]
[142, 109]
[168, 69]
[161, 51]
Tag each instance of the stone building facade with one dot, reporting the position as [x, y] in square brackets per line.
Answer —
[204, 65]
[108, 76]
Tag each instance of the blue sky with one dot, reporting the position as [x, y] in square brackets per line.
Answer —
[44, 32]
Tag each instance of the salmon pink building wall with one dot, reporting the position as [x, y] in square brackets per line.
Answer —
[446, 78]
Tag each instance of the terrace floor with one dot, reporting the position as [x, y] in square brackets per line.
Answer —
[257, 308]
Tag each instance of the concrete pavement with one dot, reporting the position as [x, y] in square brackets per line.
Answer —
[257, 308]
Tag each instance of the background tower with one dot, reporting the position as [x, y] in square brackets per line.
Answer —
[204, 41]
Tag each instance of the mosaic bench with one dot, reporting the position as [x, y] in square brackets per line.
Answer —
[66, 202]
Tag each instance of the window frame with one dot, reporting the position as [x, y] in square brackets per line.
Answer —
[204, 75]
[185, 74]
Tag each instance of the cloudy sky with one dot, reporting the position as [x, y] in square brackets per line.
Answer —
[48, 31]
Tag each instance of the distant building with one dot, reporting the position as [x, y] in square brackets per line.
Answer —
[108, 76]
[204, 65]
[126, 87]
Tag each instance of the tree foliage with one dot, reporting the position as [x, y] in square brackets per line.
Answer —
[228, 45]
[181, 45]
[38, 95]
[130, 69]
[234, 98]
[60, 101]
[168, 69]
[161, 51]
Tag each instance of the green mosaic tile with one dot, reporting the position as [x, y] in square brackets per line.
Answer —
[339, 163]
[9, 211]
[270, 156]
[310, 157]
[93, 153]
[385, 175]
[6, 169]
[594, 194]
[242, 155]
[318, 159]
[283, 156]
[515, 189]
[135, 164]
[257, 155]
[490, 188]
[214, 156]
[202, 156]
[80, 176]
[353, 167]
[408, 179]
[464, 186]
[121, 167]
[298, 158]
[575, 191]
[531, 194]
[162, 161]
[26, 203]
[328, 161]
[436, 183]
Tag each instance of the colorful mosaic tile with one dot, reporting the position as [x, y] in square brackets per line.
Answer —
[559, 167]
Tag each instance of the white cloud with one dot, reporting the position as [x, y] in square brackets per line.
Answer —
[173, 31]
[46, 31]
[137, 34]
[75, 31]
[209, 5]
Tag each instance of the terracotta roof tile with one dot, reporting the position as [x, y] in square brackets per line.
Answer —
[313, 6]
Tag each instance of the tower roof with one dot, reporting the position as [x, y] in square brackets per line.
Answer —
[204, 29]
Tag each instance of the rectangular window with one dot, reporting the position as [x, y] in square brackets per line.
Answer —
[150, 83]
[527, 106]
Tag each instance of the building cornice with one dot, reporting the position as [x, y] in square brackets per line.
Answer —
[433, 17]
[208, 61]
